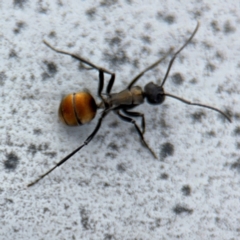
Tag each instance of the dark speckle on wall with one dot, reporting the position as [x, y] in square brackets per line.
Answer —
[110, 155]
[109, 237]
[34, 149]
[42, 7]
[164, 176]
[116, 57]
[113, 146]
[179, 209]
[186, 190]
[228, 28]
[197, 116]
[121, 167]
[146, 39]
[19, 3]
[19, 26]
[114, 124]
[170, 19]
[11, 161]
[108, 3]
[167, 149]
[210, 67]
[12, 54]
[91, 12]
[37, 131]
[236, 165]
[237, 131]
[215, 27]
[84, 219]
[3, 78]
[177, 79]
[51, 70]
[51, 67]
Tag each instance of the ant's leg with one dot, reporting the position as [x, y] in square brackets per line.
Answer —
[130, 120]
[79, 59]
[91, 136]
[149, 68]
[136, 114]
[100, 69]
[110, 84]
[101, 84]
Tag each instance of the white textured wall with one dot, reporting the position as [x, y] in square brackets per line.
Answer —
[113, 188]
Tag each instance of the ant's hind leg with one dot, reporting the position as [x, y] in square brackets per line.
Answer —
[130, 120]
[89, 139]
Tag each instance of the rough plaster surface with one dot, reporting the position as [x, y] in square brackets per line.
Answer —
[113, 188]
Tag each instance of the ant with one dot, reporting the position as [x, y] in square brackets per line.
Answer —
[80, 108]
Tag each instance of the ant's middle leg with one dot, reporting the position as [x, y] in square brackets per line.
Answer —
[130, 120]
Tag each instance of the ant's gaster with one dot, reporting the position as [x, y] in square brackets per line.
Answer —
[79, 108]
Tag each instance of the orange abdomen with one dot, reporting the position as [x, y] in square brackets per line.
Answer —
[77, 108]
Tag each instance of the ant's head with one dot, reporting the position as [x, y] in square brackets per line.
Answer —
[154, 93]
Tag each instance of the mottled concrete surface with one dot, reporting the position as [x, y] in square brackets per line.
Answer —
[114, 188]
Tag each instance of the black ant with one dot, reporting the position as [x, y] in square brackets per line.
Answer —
[80, 108]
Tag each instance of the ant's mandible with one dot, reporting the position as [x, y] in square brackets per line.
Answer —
[80, 108]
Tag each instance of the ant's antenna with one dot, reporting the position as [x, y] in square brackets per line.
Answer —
[181, 99]
[175, 55]
[198, 104]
